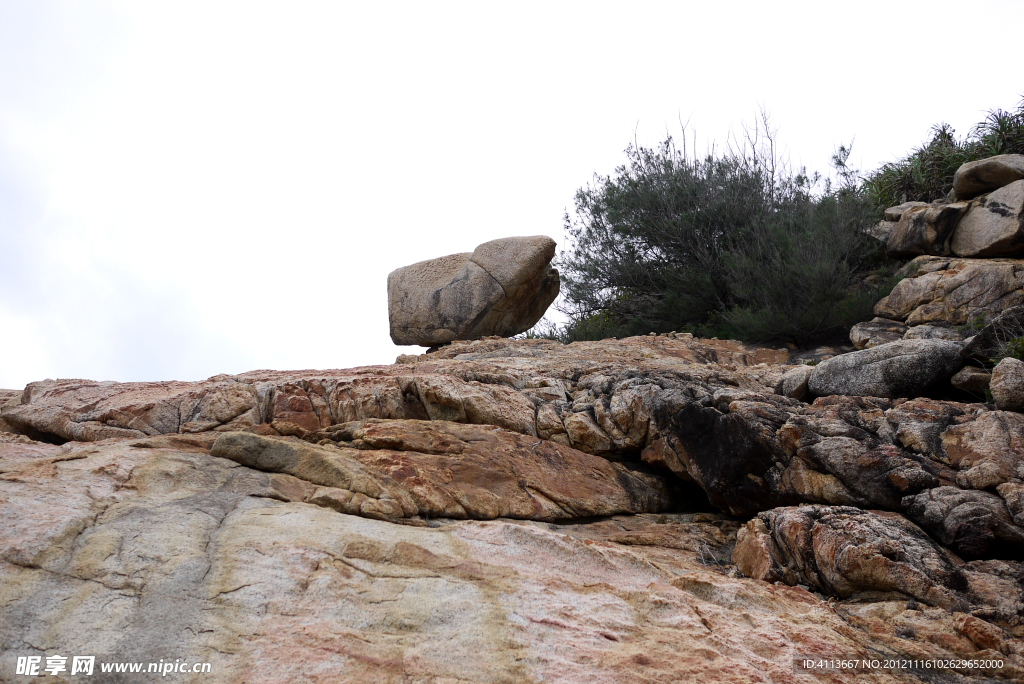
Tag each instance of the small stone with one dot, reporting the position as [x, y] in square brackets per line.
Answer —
[972, 379]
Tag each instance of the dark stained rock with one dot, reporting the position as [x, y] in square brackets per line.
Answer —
[968, 521]
[848, 552]
[845, 551]
[925, 229]
[993, 226]
[906, 368]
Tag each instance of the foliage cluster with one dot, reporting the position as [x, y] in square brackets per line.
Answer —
[926, 174]
[732, 244]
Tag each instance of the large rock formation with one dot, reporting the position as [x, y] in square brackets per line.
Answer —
[955, 291]
[512, 510]
[502, 288]
[987, 225]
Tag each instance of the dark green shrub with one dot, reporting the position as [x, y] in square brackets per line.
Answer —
[1013, 348]
[730, 245]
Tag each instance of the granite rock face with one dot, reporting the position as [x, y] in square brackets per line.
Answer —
[502, 288]
[955, 291]
[512, 510]
[162, 549]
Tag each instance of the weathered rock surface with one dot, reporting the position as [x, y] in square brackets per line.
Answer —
[406, 468]
[906, 368]
[304, 520]
[956, 291]
[141, 550]
[502, 288]
[985, 175]
[934, 331]
[1007, 385]
[705, 410]
[925, 229]
[994, 225]
[875, 332]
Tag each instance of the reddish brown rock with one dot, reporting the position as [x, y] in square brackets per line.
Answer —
[404, 468]
[161, 550]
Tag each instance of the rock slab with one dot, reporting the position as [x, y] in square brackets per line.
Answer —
[906, 368]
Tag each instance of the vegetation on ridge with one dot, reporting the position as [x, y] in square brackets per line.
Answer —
[733, 244]
[926, 174]
[737, 245]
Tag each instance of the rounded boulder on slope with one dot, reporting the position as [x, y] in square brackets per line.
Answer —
[906, 368]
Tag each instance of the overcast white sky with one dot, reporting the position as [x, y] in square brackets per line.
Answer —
[189, 189]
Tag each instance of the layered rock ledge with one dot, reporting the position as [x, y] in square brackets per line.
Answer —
[653, 509]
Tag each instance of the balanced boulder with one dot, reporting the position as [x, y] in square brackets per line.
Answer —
[985, 175]
[906, 368]
[501, 288]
